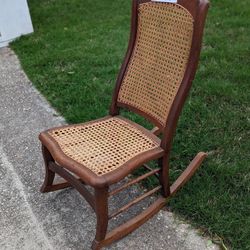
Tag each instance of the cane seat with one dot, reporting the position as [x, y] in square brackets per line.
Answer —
[101, 146]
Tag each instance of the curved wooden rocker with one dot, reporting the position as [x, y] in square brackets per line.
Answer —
[154, 81]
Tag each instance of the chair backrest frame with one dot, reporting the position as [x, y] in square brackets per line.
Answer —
[198, 10]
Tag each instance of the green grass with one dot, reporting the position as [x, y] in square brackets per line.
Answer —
[73, 59]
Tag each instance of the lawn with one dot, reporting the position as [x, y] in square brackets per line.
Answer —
[73, 59]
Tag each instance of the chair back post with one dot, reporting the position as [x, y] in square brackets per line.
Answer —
[199, 13]
[114, 109]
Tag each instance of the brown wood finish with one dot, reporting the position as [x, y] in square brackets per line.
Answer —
[57, 186]
[156, 131]
[77, 175]
[101, 205]
[137, 221]
[191, 6]
[133, 202]
[150, 169]
[114, 110]
[134, 181]
[141, 113]
[49, 175]
[199, 23]
[74, 182]
[134, 223]
[187, 173]
[164, 174]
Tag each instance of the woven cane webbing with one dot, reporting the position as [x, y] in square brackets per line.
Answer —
[104, 145]
[159, 59]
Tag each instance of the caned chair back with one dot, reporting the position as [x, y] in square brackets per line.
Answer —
[159, 59]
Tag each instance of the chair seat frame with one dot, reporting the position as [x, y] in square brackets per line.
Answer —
[99, 199]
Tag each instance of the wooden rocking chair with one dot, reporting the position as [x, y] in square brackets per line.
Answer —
[154, 81]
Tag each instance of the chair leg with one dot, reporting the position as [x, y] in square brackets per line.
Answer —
[49, 175]
[164, 175]
[101, 209]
